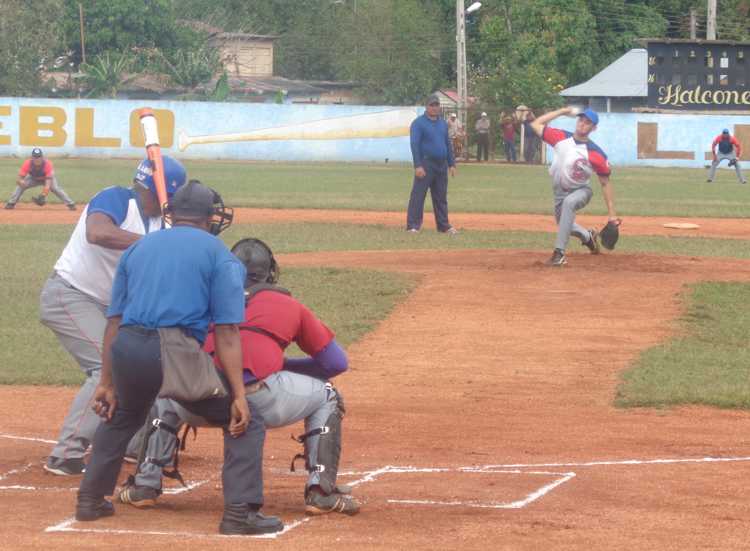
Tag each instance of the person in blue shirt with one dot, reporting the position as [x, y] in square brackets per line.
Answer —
[181, 278]
[433, 159]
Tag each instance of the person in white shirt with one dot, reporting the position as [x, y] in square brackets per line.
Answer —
[74, 299]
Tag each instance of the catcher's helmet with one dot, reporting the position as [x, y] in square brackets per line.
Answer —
[194, 200]
[174, 175]
[258, 259]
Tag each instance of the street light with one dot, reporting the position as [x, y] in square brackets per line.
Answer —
[461, 83]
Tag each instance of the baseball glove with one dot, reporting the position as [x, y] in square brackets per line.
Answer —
[609, 234]
[40, 200]
[732, 162]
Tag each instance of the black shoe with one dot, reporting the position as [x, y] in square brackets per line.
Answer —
[240, 520]
[557, 259]
[88, 509]
[65, 467]
[9, 206]
[71, 206]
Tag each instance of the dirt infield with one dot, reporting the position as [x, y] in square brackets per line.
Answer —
[479, 417]
[725, 228]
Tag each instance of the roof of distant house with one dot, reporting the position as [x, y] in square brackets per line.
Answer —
[624, 78]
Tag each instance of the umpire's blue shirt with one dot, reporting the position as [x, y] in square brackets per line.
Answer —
[179, 277]
[429, 141]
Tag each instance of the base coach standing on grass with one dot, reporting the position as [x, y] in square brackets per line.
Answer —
[177, 282]
[433, 158]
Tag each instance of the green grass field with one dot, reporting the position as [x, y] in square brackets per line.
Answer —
[706, 365]
[477, 188]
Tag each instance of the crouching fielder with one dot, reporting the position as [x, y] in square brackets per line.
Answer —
[282, 390]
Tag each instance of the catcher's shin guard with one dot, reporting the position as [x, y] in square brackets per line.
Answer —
[323, 456]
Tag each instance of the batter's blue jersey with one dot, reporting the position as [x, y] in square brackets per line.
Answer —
[180, 277]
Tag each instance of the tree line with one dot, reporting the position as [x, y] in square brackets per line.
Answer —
[395, 51]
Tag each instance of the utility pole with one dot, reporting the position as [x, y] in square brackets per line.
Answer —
[711, 21]
[693, 24]
[461, 61]
[83, 42]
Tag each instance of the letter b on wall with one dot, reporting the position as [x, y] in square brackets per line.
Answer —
[42, 126]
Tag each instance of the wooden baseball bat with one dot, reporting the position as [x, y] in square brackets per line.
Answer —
[384, 124]
[153, 151]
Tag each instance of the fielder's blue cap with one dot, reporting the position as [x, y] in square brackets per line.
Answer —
[725, 131]
[590, 114]
[174, 175]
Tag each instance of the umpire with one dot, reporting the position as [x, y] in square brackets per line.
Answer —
[433, 158]
[184, 278]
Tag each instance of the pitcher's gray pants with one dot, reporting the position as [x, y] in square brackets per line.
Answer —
[286, 398]
[729, 156]
[78, 321]
[566, 206]
[29, 182]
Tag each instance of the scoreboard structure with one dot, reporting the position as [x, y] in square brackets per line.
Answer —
[698, 75]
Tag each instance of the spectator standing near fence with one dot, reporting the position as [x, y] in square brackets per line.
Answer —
[482, 128]
[509, 138]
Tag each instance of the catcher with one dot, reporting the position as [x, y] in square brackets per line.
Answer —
[38, 171]
[576, 159]
[282, 390]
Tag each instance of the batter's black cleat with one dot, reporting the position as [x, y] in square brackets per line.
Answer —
[557, 259]
[9, 206]
[241, 520]
[65, 467]
[138, 496]
[318, 503]
[593, 243]
[88, 509]
[71, 206]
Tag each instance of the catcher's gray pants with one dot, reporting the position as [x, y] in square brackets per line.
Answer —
[286, 398]
[78, 321]
[29, 182]
[565, 214]
[730, 157]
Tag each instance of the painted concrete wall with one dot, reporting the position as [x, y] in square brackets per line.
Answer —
[110, 128]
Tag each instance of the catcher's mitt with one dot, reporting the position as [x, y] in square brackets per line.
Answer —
[40, 200]
[732, 162]
[610, 234]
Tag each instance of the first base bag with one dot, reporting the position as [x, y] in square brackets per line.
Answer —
[189, 372]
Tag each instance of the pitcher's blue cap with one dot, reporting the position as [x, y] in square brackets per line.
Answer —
[590, 114]
[725, 131]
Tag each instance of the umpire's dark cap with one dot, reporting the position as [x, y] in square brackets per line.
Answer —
[193, 200]
[433, 98]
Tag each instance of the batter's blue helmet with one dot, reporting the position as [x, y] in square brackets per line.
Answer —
[174, 175]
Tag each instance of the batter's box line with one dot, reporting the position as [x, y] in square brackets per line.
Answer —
[562, 478]
[28, 438]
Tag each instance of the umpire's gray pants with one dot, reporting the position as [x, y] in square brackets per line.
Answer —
[78, 321]
[566, 206]
[286, 398]
[29, 182]
[728, 156]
